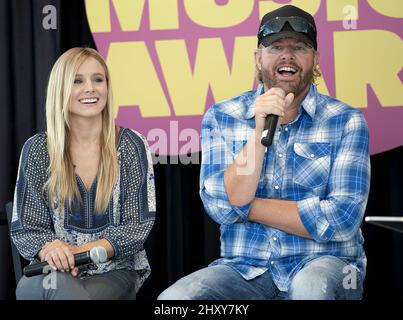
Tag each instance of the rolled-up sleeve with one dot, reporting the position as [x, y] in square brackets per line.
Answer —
[338, 216]
[216, 157]
[31, 225]
[138, 203]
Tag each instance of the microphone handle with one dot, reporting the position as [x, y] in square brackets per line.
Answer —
[38, 268]
[270, 126]
[82, 258]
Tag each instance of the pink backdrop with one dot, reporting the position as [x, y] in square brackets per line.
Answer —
[385, 122]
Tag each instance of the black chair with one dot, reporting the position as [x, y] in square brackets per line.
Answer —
[18, 261]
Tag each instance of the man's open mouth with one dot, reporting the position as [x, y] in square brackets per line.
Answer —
[287, 71]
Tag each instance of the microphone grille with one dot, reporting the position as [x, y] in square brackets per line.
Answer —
[98, 255]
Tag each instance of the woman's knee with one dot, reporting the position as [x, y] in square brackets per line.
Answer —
[52, 286]
[63, 286]
[30, 288]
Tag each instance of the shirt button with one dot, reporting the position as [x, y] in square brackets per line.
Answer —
[272, 262]
[312, 155]
[286, 129]
[276, 187]
[274, 238]
[280, 155]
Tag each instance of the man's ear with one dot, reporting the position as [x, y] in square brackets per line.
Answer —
[316, 59]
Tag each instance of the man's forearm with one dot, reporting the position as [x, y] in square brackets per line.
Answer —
[241, 178]
[279, 214]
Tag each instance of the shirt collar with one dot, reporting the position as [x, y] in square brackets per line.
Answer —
[308, 104]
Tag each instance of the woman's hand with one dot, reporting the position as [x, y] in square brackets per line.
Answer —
[59, 255]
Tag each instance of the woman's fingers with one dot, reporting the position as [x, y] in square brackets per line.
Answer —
[74, 272]
[70, 258]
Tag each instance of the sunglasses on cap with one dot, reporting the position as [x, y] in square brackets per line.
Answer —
[275, 25]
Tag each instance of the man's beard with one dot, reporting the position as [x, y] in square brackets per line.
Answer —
[296, 87]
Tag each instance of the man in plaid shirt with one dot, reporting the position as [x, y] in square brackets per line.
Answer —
[290, 214]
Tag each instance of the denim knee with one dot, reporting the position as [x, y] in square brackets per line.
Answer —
[197, 285]
[323, 279]
[174, 292]
[312, 284]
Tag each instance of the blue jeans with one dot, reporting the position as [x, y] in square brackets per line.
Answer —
[321, 279]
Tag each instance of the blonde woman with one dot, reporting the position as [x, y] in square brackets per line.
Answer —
[84, 183]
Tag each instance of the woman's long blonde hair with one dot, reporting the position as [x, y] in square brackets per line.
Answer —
[62, 184]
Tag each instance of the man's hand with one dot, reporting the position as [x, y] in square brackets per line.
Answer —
[60, 255]
[273, 101]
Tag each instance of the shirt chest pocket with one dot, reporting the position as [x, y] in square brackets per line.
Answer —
[311, 164]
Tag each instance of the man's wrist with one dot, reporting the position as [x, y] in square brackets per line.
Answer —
[258, 139]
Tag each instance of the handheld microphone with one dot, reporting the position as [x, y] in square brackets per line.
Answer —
[270, 126]
[95, 255]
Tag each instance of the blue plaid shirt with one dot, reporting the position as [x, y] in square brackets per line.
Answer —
[320, 160]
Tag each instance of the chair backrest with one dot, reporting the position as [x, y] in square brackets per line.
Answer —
[17, 259]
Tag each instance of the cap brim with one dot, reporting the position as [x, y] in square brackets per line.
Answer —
[286, 34]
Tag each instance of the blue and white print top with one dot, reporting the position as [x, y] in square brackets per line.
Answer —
[320, 160]
[125, 224]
